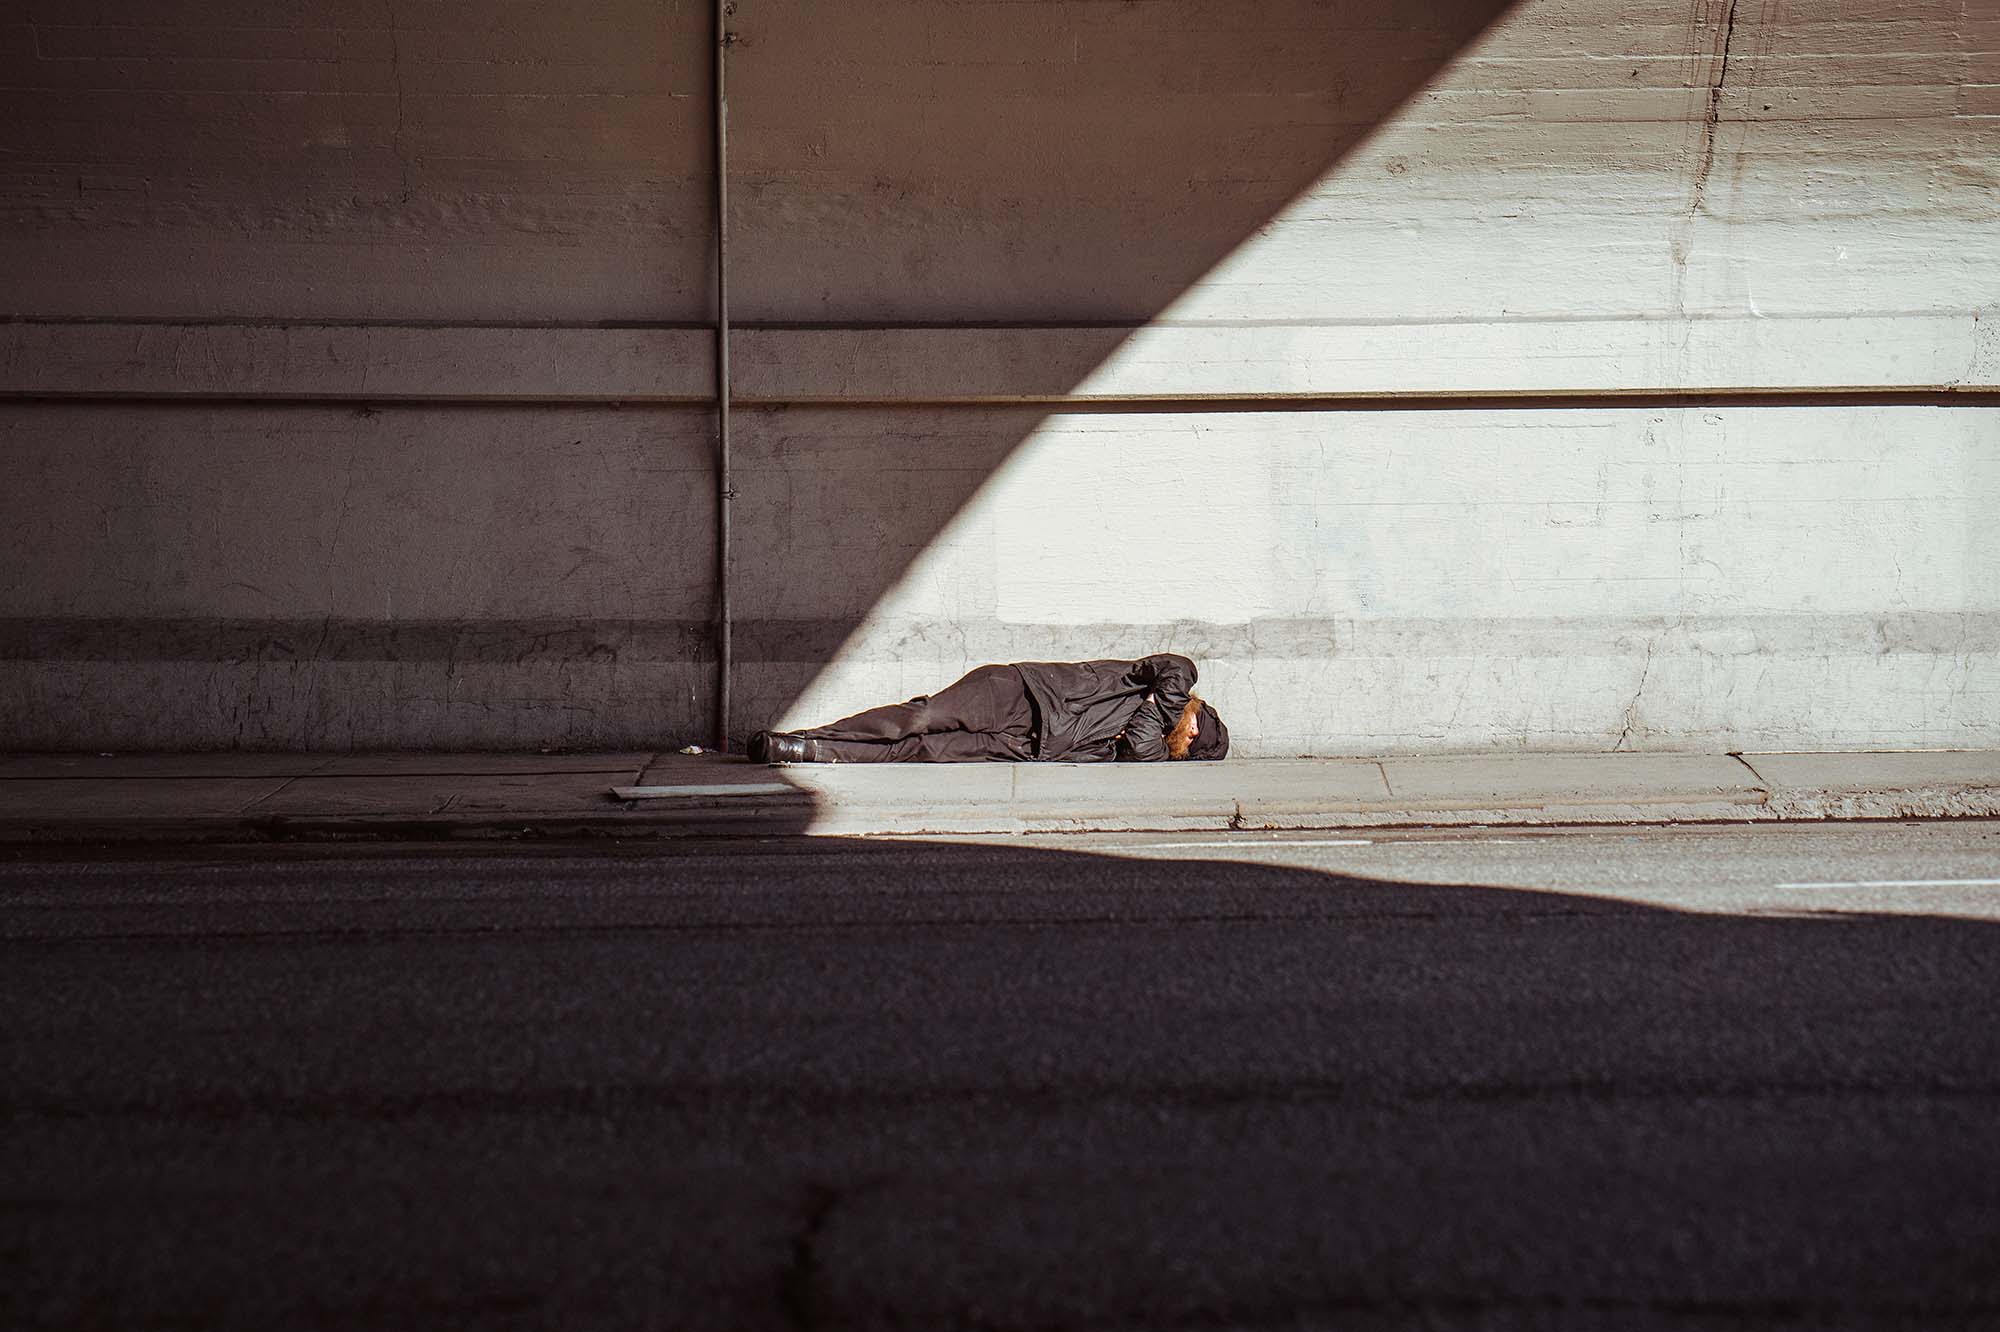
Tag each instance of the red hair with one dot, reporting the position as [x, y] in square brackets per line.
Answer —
[1182, 735]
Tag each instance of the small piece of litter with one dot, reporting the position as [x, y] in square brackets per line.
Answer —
[692, 749]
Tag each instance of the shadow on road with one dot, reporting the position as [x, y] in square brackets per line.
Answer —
[926, 1085]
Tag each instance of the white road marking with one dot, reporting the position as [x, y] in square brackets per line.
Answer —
[1898, 883]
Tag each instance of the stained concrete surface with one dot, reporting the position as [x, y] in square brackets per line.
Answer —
[1834, 771]
[198, 766]
[139, 798]
[438, 793]
[154, 797]
[1603, 1080]
[1573, 778]
[952, 220]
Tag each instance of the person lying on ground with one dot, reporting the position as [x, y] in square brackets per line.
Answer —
[1030, 711]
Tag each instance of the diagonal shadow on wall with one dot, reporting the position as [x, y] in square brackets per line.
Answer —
[910, 172]
[456, 562]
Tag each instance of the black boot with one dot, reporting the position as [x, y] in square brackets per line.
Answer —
[780, 747]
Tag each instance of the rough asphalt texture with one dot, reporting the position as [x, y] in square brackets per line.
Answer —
[1023, 1086]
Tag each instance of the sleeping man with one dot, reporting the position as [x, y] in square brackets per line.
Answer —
[1140, 711]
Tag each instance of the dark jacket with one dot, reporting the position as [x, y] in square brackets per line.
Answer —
[1083, 708]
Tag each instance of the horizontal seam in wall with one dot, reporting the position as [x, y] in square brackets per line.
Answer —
[313, 642]
[970, 325]
[424, 325]
[1931, 395]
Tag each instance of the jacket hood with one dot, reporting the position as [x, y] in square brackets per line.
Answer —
[1212, 741]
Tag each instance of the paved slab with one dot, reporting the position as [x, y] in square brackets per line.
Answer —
[165, 767]
[864, 798]
[1047, 797]
[427, 795]
[37, 803]
[1065, 795]
[1285, 793]
[1881, 785]
[711, 769]
[686, 792]
[1837, 771]
[419, 765]
[1497, 781]
[212, 766]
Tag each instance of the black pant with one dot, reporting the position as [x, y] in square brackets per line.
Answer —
[984, 716]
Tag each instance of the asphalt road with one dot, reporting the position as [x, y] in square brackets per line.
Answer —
[1703, 1078]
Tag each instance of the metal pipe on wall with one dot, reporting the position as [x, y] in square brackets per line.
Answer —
[725, 492]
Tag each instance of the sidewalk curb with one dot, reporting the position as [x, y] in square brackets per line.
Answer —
[232, 829]
[767, 816]
[1934, 802]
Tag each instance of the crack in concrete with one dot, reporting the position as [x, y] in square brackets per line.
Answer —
[1632, 707]
[1714, 115]
[1762, 784]
[396, 71]
[1681, 235]
[280, 787]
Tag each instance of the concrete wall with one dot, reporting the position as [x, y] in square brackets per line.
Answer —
[429, 160]
[1574, 375]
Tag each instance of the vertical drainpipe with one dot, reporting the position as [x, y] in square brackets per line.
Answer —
[725, 492]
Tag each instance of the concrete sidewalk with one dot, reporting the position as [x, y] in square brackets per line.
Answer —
[254, 797]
